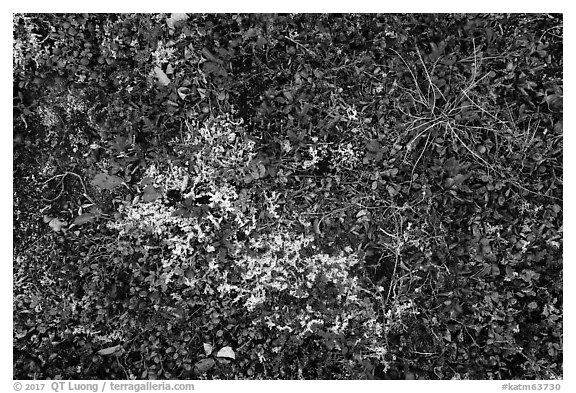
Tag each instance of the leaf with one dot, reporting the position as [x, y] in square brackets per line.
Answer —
[317, 227]
[373, 146]
[147, 180]
[162, 77]
[453, 182]
[555, 102]
[84, 219]
[208, 349]
[174, 18]
[449, 60]
[208, 55]
[393, 190]
[151, 193]
[183, 92]
[261, 170]
[260, 42]
[495, 270]
[210, 67]
[391, 172]
[56, 224]
[226, 352]
[106, 182]
[109, 350]
[558, 126]
[452, 166]
[179, 212]
[204, 365]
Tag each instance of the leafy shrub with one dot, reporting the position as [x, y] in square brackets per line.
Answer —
[266, 279]
[315, 196]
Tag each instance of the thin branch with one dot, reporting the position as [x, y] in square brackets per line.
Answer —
[63, 176]
[300, 45]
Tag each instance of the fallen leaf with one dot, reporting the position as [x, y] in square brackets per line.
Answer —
[147, 180]
[106, 182]
[226, 352]
[317, 227]
[208, 349]
[84, 218]
[555, 102]
[183, 92]
[162, 77]
[109, 350]
[151, 193]
[373, 146]
[175, 17]
[392, 190]
[459, 179]
[210, 67]
[204, 365]
[56, 224]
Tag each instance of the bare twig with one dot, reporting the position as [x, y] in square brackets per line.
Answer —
[551, 28]
[300, 45]
[63, 175]
[396, 257]
[61, 189]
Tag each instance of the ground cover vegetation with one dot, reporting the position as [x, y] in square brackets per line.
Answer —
[287, 196]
